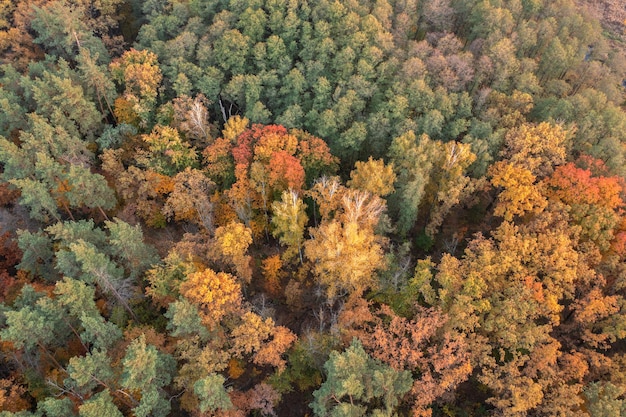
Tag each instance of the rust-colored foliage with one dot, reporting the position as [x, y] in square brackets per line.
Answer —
[267, 161]
[271, 352]
[12, 396]
[8, 194]
[420, 344]
[262, 398]
[595, 201]
[272, 274]
[143, 191]
[573, 185]
[286, 172]
[10, 256]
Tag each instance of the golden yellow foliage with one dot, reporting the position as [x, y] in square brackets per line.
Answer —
[232, 243]
[215, 293]
[234, 127]
[235, 368]
[537, 148]
[233, 239]
[373, 176]
[345, 257]
[520, 194]
[250, 334]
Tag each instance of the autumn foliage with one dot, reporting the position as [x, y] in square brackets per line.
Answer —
[312, 208]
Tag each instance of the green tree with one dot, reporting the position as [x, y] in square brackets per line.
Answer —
[146, 371]
[212, 394]
[126, 244]
[100, 405]
[85, 373]
[357, 385]
[51, 168]
[603, 399]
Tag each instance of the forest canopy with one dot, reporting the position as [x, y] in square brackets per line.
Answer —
[328, 208]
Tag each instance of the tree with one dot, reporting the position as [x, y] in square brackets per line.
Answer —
[140, 74]
[36, 326]
[537, 148]
[232, 243]
[212, 394]
[11, 396]
[520, 194]
[126, 243]
[430, 175]
[146, 371]
[327, 192]
[142, 191]
[289, 219]
[51, 169]
[63, 103]
[412, 161]
[345, 257]
[272, 351]
[439, 358]
[250, 334]
[190, 199]
[594, 199]
[449, 185]
[166, 152]
[165, 278]
[373, 176]
[191, 117]
[37, 253]
[216, 294]
[603, 399]
[90, 371]
[97, 267]
[53, 407]
[99, 405]
[97, 81]
[357, 385]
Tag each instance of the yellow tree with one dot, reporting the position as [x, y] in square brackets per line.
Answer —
[345, 257]
[262, 339]
[509, 294]
[520, 194]
[232, 243]
[537, 148]
[216, 294]
[234, 127]
[141, 76]
[167, 153]
[345, 249]
[373, 176]
[449, 185]
[289, 219]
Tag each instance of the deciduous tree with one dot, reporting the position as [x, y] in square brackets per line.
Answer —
[289, 220]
